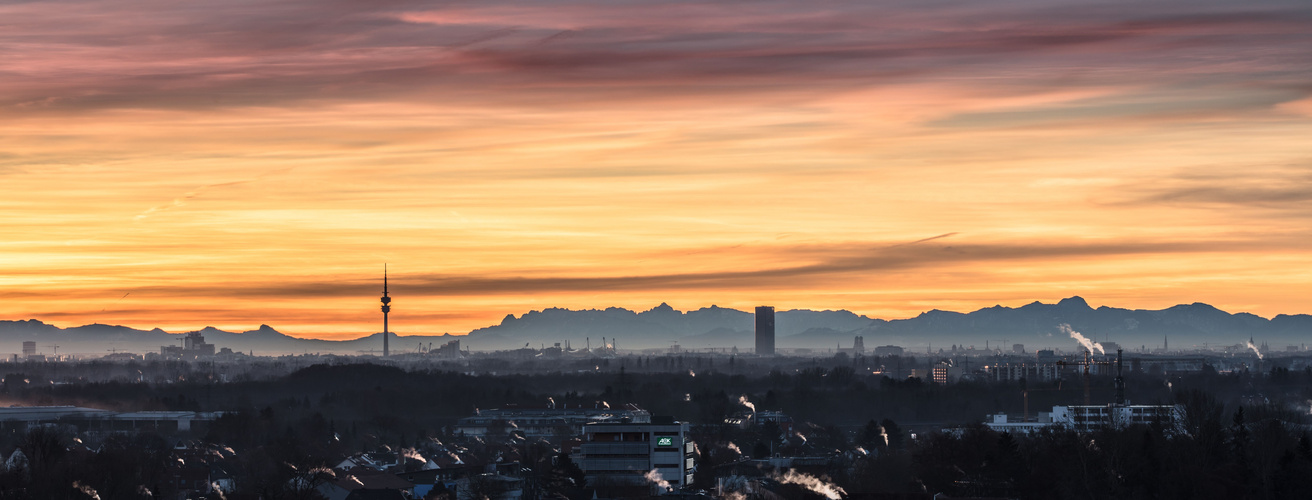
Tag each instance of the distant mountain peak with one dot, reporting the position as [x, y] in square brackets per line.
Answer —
[664, 308]
[1196, 306]
[1074, 301]
[939, 313]
[262, 330]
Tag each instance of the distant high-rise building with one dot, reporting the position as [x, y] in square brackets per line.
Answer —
[194, 344]
[29, 348]
[765, 331]
[945, 372]
[1018, 348]
[889, 350]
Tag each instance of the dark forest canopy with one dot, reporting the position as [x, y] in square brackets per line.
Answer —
[1245, 434]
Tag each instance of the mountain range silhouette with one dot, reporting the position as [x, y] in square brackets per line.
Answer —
[1034, 325]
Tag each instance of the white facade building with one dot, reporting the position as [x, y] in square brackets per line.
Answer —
[1085, 418]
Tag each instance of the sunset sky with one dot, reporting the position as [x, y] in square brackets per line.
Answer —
[183, 164]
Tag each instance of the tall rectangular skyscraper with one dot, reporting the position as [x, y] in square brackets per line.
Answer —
[765, 331]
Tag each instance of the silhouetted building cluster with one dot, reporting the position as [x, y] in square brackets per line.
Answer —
[1033, 372]
[547, 422]
[193, 346]
[750, 419]
[889, 350]
[97, 420]
[449, 350]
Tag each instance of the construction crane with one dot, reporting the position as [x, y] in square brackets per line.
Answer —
[1086, 364]
[1026, 393]
[55, 347]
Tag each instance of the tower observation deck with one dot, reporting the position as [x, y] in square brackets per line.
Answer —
[387, 307]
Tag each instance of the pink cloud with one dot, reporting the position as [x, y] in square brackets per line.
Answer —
[98, 54]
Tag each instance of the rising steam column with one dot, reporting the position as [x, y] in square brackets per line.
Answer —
[386, 309]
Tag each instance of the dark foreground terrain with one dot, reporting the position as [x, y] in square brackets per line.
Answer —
[284, 429]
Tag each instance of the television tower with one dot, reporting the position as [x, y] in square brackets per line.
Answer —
[386, 309]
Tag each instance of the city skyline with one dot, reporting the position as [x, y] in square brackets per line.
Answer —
[239, 164]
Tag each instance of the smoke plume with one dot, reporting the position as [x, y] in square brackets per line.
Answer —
[1084, 341]
[653, 476]
[455, 458]
[412, 454]
[742, 400]
[820, 486]
[87, 490]
[1255, 351]
[734, 487]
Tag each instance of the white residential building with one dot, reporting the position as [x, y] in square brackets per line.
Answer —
[1085, 418]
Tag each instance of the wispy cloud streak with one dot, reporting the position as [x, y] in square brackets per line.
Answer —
[829, 263]
[885, 157]
[137, 54]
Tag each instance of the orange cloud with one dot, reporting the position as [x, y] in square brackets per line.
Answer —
[512, 156]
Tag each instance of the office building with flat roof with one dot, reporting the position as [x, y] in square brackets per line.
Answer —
[765, 331]
[889, 350]
[634, 453]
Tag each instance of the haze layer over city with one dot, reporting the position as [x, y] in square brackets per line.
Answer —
[715, 250]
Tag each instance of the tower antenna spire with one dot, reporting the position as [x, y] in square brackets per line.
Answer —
[386, 309]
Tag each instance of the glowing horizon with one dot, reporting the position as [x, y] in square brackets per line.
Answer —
[247, 163]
